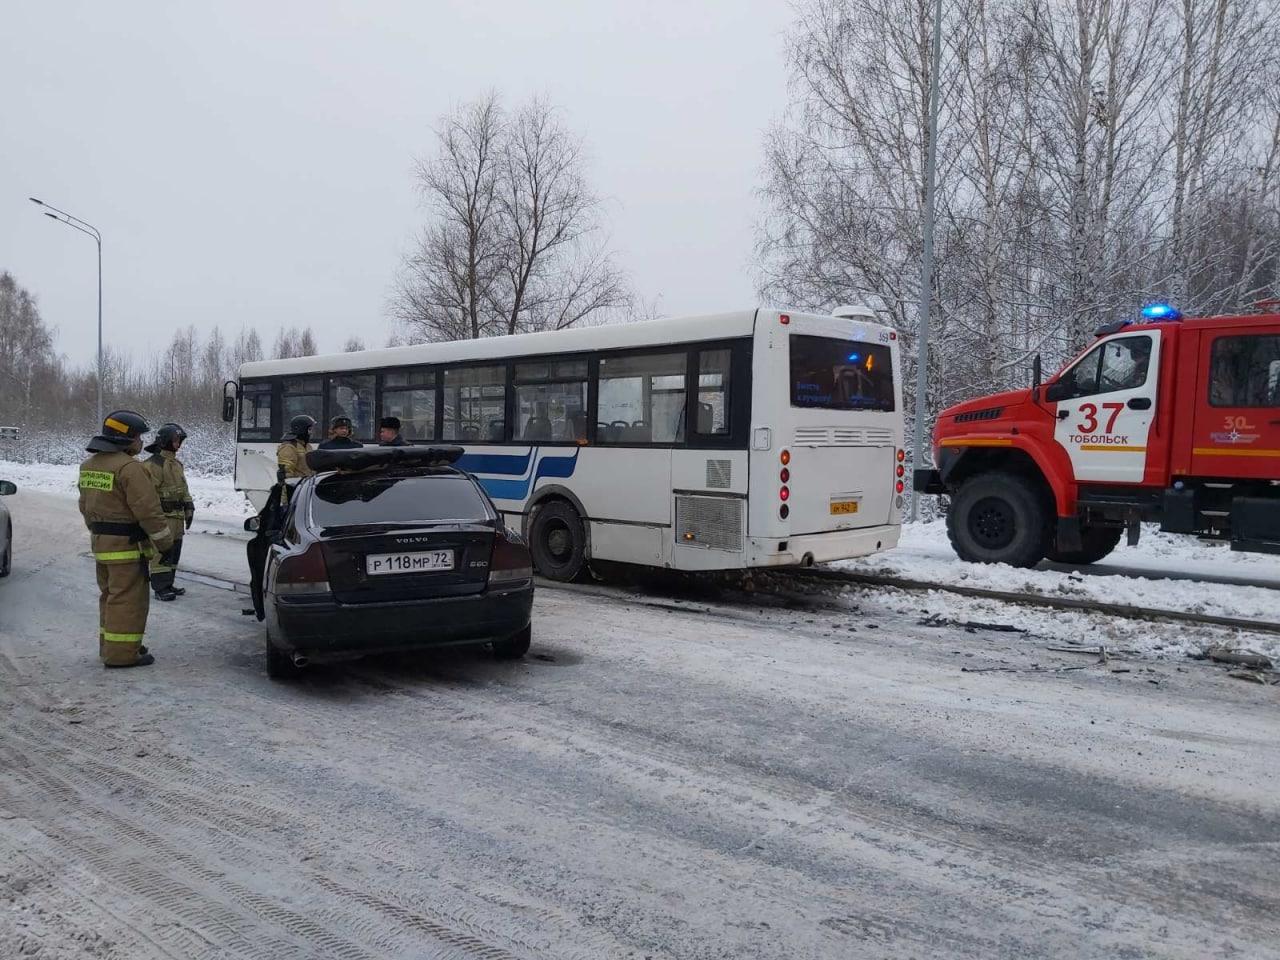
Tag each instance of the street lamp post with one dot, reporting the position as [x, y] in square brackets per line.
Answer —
[926, 261]
[89, 230]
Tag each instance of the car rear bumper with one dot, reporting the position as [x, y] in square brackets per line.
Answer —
[324, 629]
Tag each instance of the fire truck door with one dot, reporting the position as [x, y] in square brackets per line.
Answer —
[1105, 422]
[1237, 419]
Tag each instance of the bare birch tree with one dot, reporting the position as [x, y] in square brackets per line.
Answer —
[514, 241]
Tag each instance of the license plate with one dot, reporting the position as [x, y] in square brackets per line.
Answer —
[843, 506]
[377, 564]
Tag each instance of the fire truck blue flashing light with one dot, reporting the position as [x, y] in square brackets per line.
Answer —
[855, 357]
[1160, 311]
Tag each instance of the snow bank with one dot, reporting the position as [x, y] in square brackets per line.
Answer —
[215, 497]
[1165, 571]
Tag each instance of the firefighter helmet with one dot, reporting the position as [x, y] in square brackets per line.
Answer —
[300, 427]
[167, 438]
[119, 429]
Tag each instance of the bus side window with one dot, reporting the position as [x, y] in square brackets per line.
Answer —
[712, 413]
[642, 399]
[304, 395]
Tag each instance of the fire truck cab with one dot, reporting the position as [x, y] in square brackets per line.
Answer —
[1165, 419]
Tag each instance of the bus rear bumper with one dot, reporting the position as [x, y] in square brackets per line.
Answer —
[821, 547]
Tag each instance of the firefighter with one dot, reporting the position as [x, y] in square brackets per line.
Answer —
[170, 481]
[291, 455]
[389, 433]
[127, 527]
[340, 436]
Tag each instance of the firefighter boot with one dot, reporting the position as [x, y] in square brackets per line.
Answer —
[143, 661]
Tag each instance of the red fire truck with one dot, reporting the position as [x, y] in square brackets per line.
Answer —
[1165, 419]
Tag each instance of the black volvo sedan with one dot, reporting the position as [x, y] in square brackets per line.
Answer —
[386, 549]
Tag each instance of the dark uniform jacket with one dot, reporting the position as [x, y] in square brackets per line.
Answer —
[166, 472]
[119, 504]
[396, 441]
[341, 443]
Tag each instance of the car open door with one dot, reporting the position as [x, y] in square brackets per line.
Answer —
[266, 530]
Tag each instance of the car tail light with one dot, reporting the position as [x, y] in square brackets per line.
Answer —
[511, 562]
[303, 573]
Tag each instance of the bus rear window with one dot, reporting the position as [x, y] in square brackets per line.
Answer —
[833, 374]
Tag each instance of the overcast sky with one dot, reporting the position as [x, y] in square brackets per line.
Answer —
[249, 163]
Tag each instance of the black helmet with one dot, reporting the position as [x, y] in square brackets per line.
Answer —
[340, 422]
[167, 438]
[119, 429]
[300, 427]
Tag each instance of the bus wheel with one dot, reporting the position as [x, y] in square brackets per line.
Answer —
[998, 518]
[558, 541]
[1095, 543]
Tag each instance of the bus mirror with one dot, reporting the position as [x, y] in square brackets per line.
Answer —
[229, 401]
[1036, 372]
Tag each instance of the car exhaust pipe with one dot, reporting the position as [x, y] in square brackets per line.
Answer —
[808, 560]
[300, 660]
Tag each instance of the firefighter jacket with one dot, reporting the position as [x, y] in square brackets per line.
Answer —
[292, 456]
[119, 504]
[170, 481]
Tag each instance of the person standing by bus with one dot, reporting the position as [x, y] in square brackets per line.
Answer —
[340, 436]
[127, 528]
[389, 433]
[291, 455]
[165, 470]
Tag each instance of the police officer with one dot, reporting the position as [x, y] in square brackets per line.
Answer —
[389, 433]
[165, 470]
[291, 455]
[340, 436]
[127, 527]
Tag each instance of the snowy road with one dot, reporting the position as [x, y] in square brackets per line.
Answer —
[661, 778]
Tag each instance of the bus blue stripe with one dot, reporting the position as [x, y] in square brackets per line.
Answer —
[501, 488]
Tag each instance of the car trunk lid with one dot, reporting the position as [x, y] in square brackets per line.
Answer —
[377, 564]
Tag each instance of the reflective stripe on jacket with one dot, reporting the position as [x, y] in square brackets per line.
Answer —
[116, 489]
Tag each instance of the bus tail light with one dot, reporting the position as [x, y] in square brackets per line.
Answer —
[784, 511]
[899, 486]
[784, 318]
[785, 475]
[901, 470]
[784, 494]
[785, 457]
[902, 455]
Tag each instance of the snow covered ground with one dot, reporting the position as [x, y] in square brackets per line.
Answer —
[216, 500]
[1164, 571]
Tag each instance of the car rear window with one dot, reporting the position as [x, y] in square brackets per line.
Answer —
[343, 501]
[836, 374]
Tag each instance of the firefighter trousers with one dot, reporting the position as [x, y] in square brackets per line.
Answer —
[162, 574]
[123, 602]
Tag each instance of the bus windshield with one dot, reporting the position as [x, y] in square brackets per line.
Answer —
[834, 374]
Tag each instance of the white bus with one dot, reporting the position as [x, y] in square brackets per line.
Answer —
[748, 439]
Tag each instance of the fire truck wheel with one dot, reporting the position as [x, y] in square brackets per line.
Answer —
[1096, 543]
[998, 518]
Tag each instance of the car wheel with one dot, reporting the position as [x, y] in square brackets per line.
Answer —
[515, 646]
[558, 542]
[279, 664]
[998, 518]
[1095, 543]
[7, 563]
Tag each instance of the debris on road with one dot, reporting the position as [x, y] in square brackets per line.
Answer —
[1253, 676]
[938, 620]
[1239, 658]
